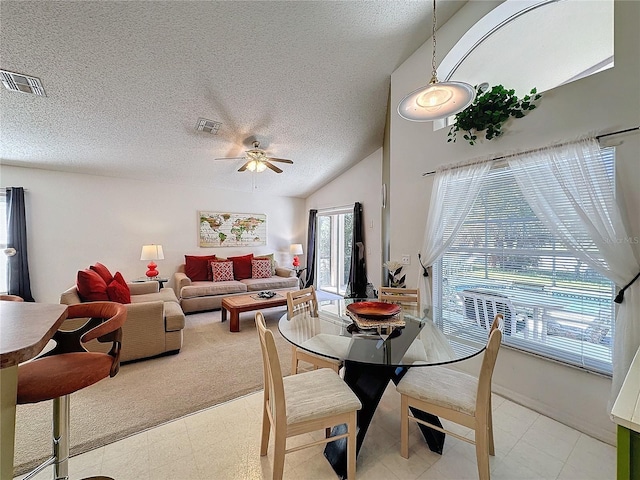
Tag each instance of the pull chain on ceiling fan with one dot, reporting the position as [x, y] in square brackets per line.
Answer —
[258, 161]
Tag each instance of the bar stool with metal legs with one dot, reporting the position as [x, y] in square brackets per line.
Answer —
[69, 367]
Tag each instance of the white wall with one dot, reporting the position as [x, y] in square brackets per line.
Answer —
[75, 220]
[361, 183]
[604, 102]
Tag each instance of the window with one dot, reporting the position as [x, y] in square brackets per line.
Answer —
[563, 41]
[554, 304]
[4, 287]
[335, 232]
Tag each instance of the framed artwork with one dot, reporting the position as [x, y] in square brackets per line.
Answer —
[221, 229]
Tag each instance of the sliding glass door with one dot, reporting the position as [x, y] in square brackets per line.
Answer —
[335, 232]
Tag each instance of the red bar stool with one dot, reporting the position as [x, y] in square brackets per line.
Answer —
[69, 367]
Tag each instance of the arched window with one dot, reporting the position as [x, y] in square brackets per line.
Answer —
[533, 43]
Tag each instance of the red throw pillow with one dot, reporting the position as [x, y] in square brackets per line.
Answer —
[261, 268]
[222, 271]
[103, 271]
[197, 267]
[118, 292]
[273, 263]
[242, 266]
[91, 286]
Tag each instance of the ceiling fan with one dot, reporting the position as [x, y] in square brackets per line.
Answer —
[257, 160]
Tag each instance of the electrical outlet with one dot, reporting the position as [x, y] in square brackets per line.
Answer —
[406, 259]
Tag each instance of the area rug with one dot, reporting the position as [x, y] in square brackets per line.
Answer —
[214, 366]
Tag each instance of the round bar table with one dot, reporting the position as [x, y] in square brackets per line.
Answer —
[373, 357]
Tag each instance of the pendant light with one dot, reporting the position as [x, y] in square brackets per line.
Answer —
[437, 100]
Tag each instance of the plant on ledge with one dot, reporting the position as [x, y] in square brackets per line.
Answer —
[489, 112]
[395, 268]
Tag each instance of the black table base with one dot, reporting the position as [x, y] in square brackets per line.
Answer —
[369, 382]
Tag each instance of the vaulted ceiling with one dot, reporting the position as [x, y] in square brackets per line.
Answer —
[126, 83]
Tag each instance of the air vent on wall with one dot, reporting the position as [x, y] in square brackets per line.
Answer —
[16, 82]
[208, 126]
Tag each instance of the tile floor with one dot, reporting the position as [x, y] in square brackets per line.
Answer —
[222, 442]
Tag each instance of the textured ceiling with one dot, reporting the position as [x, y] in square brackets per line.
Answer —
[127, 81]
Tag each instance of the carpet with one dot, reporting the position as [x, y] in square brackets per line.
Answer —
[214, 366]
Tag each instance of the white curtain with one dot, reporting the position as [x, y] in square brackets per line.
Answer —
[568, 189]
[447, 213]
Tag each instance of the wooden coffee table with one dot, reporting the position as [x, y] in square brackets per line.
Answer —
[247, 303]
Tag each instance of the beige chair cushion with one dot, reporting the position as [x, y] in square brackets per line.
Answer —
[441, 386]
[316, 394]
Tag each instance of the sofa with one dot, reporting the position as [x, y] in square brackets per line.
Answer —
[198, 291]
[154, 322]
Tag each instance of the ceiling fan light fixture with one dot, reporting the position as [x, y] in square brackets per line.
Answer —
[437, 100]
[260, 167]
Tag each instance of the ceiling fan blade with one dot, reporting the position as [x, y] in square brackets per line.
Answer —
[272, 166]
[282, 160]
[231, 158]
[244, 167]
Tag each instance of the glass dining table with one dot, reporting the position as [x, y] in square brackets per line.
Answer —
[374, 356]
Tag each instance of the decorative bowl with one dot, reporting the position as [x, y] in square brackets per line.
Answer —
[374, 310]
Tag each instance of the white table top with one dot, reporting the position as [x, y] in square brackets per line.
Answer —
[626, 409]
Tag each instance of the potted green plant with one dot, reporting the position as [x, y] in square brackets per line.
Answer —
[489, 112]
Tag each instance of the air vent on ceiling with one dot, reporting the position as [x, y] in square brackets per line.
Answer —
[208, 126]
[17, 82]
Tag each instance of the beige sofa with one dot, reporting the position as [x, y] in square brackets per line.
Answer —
[198, 296]
[154, 321]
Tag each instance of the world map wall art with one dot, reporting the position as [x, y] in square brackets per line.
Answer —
[218, 229]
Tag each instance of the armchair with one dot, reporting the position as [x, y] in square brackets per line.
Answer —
[154, 321]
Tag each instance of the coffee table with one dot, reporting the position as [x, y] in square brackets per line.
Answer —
[238, 304]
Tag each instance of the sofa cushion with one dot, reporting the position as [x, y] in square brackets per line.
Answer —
[222, 271]
[118, 290]
[260, 268]
[271, 259]
[197, 267]
[271, 283]
[165, 295]
[103, 271]
[91, 286]
[241, 266]
[204, 289]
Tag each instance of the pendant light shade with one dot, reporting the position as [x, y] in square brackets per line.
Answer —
[437, 100]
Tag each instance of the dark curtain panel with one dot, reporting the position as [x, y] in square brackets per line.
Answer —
[17, 265]
[311, 248]
[357, 287]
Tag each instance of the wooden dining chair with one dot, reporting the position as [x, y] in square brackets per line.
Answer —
[300, 301]
[297, 404]
[454, 396]
[399, 295]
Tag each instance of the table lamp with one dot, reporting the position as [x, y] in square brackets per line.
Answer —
[152, 252]
[296, 249]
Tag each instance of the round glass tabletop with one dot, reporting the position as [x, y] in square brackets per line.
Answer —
[409, 338]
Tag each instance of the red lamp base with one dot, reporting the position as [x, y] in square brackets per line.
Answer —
[152, 272]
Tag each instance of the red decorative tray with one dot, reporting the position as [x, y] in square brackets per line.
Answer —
[374, 310]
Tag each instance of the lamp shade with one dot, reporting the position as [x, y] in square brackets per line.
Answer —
[436, 101]
[296, 249]
[152, 252]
